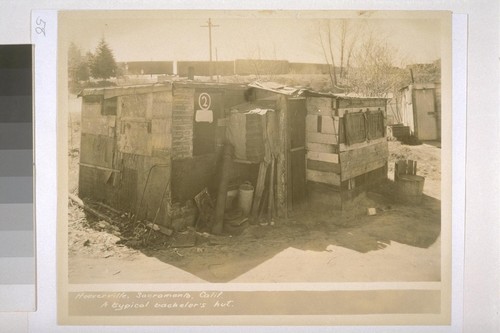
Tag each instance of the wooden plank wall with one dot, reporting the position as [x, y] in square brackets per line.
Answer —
[322, 138]
[332, 165]
[356, 162]
[114, 164]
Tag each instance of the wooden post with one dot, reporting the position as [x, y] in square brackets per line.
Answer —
[259, 189]
[281, 165]
[270, 205]
[222, 193]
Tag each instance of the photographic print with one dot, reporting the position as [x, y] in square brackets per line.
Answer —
[254, 167]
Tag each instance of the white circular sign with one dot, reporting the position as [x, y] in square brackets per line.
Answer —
[204, 101]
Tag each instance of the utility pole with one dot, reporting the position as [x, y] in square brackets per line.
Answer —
[210, 26]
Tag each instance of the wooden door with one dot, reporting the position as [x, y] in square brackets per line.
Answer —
[204, 132]
[297, 152]
[425, 114]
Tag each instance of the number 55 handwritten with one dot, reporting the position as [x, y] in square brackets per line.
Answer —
[40, 29]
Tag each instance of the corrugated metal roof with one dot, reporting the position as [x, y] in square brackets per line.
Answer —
[259, 107]
[110, 92]
[297, 92]
[277, 88]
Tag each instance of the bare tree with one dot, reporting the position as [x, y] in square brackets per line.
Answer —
[375, 71]
[349, 37]
[338, 40]
[328, 54]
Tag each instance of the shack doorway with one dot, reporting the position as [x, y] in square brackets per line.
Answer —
[425, 112]
[207, 110]
[297, 152]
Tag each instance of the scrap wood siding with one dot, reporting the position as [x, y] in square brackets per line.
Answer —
[142, 150]
[125, 146]
[151, 149]
[347, 150]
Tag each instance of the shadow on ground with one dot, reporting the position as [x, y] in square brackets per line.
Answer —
[224, 258]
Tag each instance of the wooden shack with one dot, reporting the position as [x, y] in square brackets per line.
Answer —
[421, 110]
[347, 148]
[330, 148]
[150, 149]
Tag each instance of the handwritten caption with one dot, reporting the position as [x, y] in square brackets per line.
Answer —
[133, 301]
[40, 26]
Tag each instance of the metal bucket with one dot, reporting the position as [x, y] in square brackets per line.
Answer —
[231, 195]
[410, 188]
[245, 197]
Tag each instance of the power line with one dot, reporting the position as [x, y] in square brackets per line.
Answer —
[210, 26]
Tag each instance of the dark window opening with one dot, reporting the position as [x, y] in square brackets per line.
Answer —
[109, 107]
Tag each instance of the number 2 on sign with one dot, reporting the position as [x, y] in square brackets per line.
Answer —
[204, 101]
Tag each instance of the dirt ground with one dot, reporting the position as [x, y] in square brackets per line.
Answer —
[400, 243]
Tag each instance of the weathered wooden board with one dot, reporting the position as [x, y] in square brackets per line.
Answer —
[356, 146]
[313, 137]
[323, 177]
[96, 126]
[162, 134]
[136, 105]
[325, 157]
[282, 165]
[322, 124]
[323, 166]
[330, 125]
[362, 168]
[312, 123]
[322, 148]
[91, 110]
[341, 112]
[360, 161]
[162, 104]
[97, 150]
[135, 137]
[319, 105]
[361, 103]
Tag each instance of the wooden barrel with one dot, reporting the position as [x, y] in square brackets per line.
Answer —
[410, 188]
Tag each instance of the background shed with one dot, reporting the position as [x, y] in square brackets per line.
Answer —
[421, 110]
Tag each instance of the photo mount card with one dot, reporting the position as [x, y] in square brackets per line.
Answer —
[136, 247]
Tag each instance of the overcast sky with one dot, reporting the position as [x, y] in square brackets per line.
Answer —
[293, 36]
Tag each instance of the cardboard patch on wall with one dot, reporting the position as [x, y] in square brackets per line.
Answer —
[204, 116]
